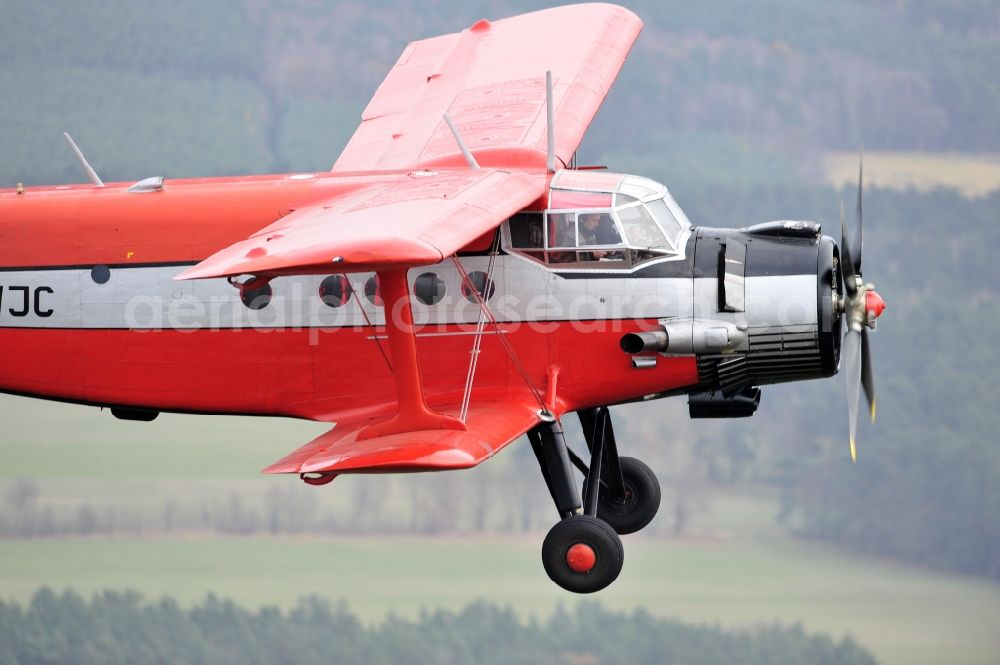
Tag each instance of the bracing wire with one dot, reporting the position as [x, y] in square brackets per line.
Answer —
[371, 327]
[496, 326]
[478, 340]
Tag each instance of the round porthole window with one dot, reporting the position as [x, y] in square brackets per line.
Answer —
[335, 291]
[100, 274]
[484, 285]
[256, 298]
[372, 291]
[429, 288]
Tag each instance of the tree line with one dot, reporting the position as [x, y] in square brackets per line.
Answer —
[120, 627]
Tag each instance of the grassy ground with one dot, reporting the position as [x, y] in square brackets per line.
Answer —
[58, 441]
[903, 614]
[973, 175]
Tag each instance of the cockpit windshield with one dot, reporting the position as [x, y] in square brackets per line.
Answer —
[640, 228]
[655, 201]
[603, 220]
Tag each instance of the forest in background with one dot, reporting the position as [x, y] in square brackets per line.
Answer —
[732, 92]
[123, 628]
[732, 106]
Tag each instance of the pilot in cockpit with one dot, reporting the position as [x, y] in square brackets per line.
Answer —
[598, 229]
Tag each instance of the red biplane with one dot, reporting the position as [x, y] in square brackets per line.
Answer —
[453, 283]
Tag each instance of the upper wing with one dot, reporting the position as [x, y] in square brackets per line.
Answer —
[490, 427]
[490, 79]
[409, 219]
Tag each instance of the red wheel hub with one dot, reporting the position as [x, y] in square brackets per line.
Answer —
[581, 558]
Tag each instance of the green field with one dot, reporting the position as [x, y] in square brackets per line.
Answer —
[733, 567]
[903, 614]
[972, 174]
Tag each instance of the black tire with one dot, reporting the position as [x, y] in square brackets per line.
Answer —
[589, 531]
[642, 498]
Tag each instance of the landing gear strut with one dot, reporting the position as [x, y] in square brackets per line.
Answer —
[583, 553]
[630, 492]
[636, 507]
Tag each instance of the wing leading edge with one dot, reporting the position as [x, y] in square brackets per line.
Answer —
[420, 218]
[490, 80]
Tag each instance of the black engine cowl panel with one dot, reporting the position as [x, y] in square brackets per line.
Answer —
[713, 404]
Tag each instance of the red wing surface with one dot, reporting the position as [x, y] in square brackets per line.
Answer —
[490, 428]
[490, 79]
[420, 218]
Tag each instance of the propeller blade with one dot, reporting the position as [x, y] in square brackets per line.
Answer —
[867, 375]
[846, 262]
[852, 373]
[858, 239]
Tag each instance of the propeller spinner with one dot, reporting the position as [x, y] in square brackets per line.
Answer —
[861, 307]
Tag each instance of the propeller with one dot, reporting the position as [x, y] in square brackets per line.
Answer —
[861, 307]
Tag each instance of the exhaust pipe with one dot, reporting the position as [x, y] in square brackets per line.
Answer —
[645, 342]
[686, 336]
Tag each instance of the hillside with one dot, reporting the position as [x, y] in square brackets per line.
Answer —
[739, 92]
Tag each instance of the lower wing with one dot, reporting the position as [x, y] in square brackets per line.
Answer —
[490, 427]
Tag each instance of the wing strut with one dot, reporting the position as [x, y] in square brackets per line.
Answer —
[413, 412]
[469, 159]
[87, 168]
[550, 125]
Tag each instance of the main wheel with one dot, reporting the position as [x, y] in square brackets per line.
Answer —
[582, 554]
[642, 498]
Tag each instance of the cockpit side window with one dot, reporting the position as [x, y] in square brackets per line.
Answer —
[597, 228]
[562, 229]
[585, 237]
[527, 231]
[616, 225]
[527, 235]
